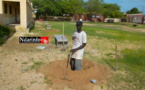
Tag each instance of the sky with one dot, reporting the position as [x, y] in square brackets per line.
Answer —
[128, 4]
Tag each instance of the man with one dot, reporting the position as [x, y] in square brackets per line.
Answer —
[79, 42]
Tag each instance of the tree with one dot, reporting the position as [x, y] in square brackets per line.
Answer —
[76, 6]
[94, 6]
[47, 7]
[112, 11]
[116, 14]
[58, 7]
[73, 7]
[133, 11]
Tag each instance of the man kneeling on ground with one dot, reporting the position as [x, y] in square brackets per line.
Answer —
[79, 42]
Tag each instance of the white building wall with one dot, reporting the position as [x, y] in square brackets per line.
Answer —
[7, 18]
[29, 14]
[137, 19]
[114, 19]
[24, 12]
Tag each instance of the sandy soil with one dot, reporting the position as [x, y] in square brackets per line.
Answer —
[77, 80]
[12, 75]
[126, 28]
[15, 58]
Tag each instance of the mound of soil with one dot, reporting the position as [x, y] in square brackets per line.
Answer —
[56, 70]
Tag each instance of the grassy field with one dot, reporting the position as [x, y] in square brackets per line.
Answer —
[19, 63]
[101, 41]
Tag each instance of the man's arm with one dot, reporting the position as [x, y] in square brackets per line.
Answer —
[80, 47]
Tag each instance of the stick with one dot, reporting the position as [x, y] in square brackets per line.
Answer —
[67, 66]
[116, 60]
[63, 48]
[63, 34]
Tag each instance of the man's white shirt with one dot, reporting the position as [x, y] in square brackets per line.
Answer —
[79, 40]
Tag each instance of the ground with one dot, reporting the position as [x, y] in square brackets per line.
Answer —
[23, 67]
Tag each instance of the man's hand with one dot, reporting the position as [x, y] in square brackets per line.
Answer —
[82, 46]
[73, 38]
[73, 50]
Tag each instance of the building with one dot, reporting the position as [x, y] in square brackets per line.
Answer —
[17, 12]
[135, 18]
[112, 20]
[92, 18]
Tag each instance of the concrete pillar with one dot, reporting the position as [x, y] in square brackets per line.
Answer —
[1, 7]
[23, 13]
[1, 11]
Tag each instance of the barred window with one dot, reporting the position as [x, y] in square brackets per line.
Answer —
[10, 9]
[5, 8]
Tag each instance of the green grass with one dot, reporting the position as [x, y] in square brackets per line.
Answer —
[31, 59]
[5, 31]
[49, 82]
[134, 59]
[24, 62]
[109, 33]
[134, 66]
[33, 82]
[36, 65]
[141, 26]
[21, 88]
[130, 60]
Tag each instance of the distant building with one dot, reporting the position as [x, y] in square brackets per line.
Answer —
[92, 18]
[112, 20]
[135, 18]
[16, 12]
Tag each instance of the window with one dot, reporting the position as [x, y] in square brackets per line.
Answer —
[5, 8]
[83, 16]
[18, 11]
[10, 8]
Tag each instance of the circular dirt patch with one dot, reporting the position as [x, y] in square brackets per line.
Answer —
[54, 74]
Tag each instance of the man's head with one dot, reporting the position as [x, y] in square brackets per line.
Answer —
[79, 25]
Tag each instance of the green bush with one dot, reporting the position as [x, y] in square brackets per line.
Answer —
[3, 31]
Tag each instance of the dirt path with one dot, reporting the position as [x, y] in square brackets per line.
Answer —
[15, 58]
[127, 28]
[12, 75]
